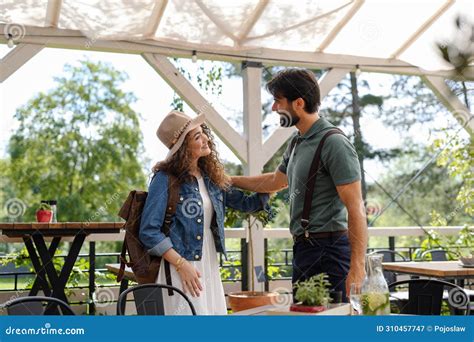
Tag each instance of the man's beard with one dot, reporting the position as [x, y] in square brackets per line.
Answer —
[287, 119]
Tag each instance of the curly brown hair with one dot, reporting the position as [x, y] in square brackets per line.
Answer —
[178, 164]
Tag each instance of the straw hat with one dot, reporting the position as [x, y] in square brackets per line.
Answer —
[174, 127]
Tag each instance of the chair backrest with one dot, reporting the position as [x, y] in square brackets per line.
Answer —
[425, 296]
[436, 255]
[389, 256]
[149, 299]
[37, 306]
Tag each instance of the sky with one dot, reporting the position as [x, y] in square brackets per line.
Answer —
[154, 98]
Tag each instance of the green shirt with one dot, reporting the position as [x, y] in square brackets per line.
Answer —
[339, 165]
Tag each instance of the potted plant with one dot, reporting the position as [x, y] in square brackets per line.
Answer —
[244, 300]
[312, 295]
[44, 213]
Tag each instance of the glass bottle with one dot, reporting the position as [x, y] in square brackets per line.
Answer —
[53, 204]
[374, 292]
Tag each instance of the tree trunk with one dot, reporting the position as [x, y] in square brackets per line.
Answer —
[358, 141]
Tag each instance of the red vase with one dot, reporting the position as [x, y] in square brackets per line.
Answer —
[44, 215]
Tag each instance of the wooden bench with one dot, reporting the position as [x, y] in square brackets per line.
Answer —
[127, 275]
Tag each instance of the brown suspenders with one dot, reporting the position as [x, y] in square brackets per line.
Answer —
[311, 180]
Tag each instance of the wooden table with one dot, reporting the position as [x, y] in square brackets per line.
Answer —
[342, 309]
[436, 269]
[33, 235]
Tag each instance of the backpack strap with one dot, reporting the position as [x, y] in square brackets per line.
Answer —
[123, 261]
[311, 181]
[125, 213]
[173, 194]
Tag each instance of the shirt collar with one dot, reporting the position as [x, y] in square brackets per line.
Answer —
[317, 127]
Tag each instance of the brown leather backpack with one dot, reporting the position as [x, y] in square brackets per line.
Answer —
[145, 266]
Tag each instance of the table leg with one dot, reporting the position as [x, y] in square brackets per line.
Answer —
[41, 273]
[58, 282]
[40, 276]
[71, 258]
[48, 265]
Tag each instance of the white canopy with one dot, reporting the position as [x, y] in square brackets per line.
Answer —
[378, 35]
[391, 36]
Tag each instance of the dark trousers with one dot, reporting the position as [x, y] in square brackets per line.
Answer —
[329, 255]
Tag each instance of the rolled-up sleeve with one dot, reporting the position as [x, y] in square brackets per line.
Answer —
[153, 215]
[238, 200]
[341, 160]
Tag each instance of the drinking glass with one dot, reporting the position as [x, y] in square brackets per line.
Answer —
[355, 297]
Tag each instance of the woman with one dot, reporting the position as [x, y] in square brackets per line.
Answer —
[197, 229]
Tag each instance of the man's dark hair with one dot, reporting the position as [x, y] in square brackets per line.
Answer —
[293, 83]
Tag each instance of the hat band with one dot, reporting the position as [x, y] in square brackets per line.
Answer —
[178, 134]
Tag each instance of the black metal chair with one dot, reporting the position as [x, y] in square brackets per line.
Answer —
[435, 254]
[425, 297]
[440, 254]
[389, 256]
[149, 299]
[37, 306]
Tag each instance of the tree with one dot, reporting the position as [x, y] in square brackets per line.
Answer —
[79, 143]
[433, 189]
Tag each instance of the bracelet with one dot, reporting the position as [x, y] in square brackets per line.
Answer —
[179, 263]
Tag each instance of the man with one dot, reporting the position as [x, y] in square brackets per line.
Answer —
[334, 240]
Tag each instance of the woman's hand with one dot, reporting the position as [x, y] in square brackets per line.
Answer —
[190, 279]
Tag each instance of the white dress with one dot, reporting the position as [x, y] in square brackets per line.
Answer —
[211, 300]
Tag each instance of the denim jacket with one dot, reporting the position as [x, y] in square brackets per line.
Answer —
[186, 229]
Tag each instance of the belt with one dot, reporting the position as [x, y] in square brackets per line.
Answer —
[320, 235]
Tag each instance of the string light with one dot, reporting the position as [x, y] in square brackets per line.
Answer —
[194, 58]
[358, 71]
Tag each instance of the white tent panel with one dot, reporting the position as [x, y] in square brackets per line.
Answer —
[24, 12]
[297, 26]
[380, 27]
[389, 30]
[230, 15]
[423, 51]
[184, 21]
[106, 19]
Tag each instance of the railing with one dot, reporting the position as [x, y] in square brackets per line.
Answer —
[236, 233]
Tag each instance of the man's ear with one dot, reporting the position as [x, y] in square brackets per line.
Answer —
[298, 104]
